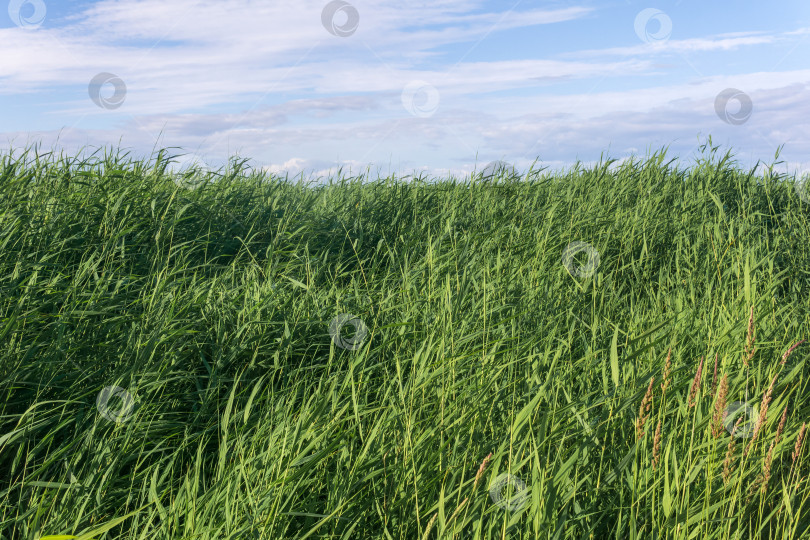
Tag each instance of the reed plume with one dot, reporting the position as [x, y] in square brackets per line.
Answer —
[481, 469]
[667, 371]
[763, 411]
[750, 339]
[766, 469]
[781, 426]
[430, 526]
[720, 408]
[478, 475]
[657, 445]
[643, 410]
[790, 350]
[798, 448]
[695, 383]
[728, 463]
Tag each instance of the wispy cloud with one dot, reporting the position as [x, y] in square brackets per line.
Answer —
[506, 81]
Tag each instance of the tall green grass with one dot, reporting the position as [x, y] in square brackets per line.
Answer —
[208, 298]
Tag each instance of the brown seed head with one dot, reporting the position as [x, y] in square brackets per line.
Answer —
[481, 469]
[790, 350]
[781, 426]
[657, 445]
[798, 448]
[728, 463]
[766, 469]
[643, 410]
[763, 412]
[720, 408]
[750, 339]
[695, 383]
[667, 371]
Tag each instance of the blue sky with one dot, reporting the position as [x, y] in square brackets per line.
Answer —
[442, 87]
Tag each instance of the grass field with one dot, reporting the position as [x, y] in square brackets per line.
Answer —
[228, 355]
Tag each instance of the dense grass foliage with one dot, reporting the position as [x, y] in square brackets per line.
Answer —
[209, 298]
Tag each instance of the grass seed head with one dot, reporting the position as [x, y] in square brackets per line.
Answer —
[458, 509]
[790, 350]
[798, 448]
[766, 469]
[750, 339]
[781, 426]
[667, 371]
[720, 408]
[728, 462]
[763, 412]
[644, 410]
[481, 469]
[657, 445]
[695, 383]
[430, 526]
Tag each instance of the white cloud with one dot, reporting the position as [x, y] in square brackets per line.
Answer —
[516, 130]
[680, 46]
[220, 77]
[188, 53]
[318, 168]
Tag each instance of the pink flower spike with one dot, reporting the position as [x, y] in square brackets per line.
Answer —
[790, 350]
